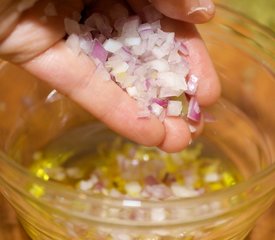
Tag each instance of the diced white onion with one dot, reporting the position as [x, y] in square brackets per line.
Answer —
[132, 91]
[112, 45]
[132, 41]
[171, 80]
[73, 43]
[174, 108]
[156, 109]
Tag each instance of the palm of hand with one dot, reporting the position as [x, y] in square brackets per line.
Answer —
[36, 44]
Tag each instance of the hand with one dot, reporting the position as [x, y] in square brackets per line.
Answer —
[37, 45]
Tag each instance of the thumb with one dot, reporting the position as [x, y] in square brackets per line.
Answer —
[193, 11]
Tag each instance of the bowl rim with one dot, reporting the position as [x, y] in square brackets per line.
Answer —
[192, 201]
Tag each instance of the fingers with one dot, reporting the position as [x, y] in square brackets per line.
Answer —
[199, 60]
[75, 76]
[177, 130]
[177, 135]
[193, 11]
[35, 31]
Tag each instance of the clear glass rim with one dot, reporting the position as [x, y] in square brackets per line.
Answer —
[260, 176]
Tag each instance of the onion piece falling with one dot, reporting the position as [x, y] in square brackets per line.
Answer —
[194, 112]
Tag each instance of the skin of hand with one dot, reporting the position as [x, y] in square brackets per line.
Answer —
[36, 44]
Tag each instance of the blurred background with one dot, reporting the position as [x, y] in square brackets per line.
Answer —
[262, 11]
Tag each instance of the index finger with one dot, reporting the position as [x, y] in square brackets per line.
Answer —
[192, 11]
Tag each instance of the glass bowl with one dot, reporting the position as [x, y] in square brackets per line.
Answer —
[38, 123]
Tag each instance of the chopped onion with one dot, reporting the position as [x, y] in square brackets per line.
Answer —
[145, 61]
[192, 128]
[86, 42]
[132, 91]
[156, 109]
[161, 102]
[174, 108]
[98, 51]
[192, 85]
[183, 49]
[130, 27]
[112, 45]
[145, 30]
[194, 112]
[132, 41]
[101, 23]
[159, 64]
[73, 43]
[171, 81]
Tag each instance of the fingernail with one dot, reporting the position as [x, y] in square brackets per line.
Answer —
[201, 10]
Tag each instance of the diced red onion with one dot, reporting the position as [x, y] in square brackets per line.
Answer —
[167, 92]
[174, 57]
[101, 23]
[194, 112]
[156, 109]
[130, 27]
[159, 65]
[98, 51]
[145, 30]
[192, 128]
[86, 41]
[119, 68]
[145, 61]
[158, 52]
[171, 80]
[112, 45]
[183, 49]
[147, 84]
[124, 54]
[132, 91]
[132, 41]
[192, 85]
[73, 43]
[174, 108]
[161, 102]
